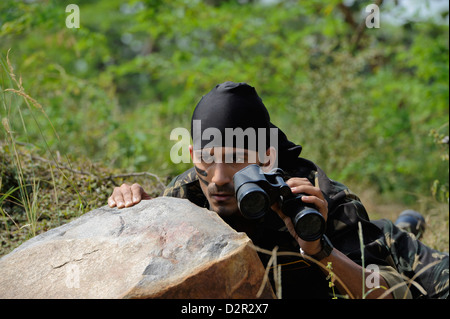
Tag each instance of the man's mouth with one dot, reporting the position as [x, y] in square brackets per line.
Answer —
[221, 197]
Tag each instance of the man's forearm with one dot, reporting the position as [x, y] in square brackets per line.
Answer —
[349, 277]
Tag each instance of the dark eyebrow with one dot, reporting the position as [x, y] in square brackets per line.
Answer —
[235, 152]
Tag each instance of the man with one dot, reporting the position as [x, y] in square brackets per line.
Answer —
[393, 255]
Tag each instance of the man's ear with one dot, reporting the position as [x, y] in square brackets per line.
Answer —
[191, 151]
[270, 159]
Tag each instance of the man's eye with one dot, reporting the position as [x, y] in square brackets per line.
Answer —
[207, 158]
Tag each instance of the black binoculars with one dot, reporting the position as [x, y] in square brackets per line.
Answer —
[257, 191]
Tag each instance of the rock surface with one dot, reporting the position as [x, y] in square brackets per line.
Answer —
[160, 248]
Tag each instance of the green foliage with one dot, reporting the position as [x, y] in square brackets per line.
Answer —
[440, 189]
[116, 87]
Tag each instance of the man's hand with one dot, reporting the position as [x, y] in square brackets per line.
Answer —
[315, 197]
[127, 196]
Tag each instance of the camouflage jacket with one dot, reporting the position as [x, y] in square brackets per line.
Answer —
[397, 254]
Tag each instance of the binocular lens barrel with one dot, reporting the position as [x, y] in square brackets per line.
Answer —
[309, 224]
[253, 201]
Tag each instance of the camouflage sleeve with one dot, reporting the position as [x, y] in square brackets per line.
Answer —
[180, 185]
[424, 270]
[170, 189]
[396, 283]
[186, 186]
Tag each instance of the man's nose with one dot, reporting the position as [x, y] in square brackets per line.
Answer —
[222, 174]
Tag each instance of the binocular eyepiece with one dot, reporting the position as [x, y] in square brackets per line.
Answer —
[257, 191]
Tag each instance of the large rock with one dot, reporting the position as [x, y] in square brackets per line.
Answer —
[161, 248]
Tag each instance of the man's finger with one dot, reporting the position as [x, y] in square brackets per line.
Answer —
[137, 192]
[307, 189]
[320, 204]
[117, 196]
[297, 181]
[127, 196]
[111, 202]
[125, 191]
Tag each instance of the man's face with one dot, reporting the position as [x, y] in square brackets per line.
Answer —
[215, 169]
